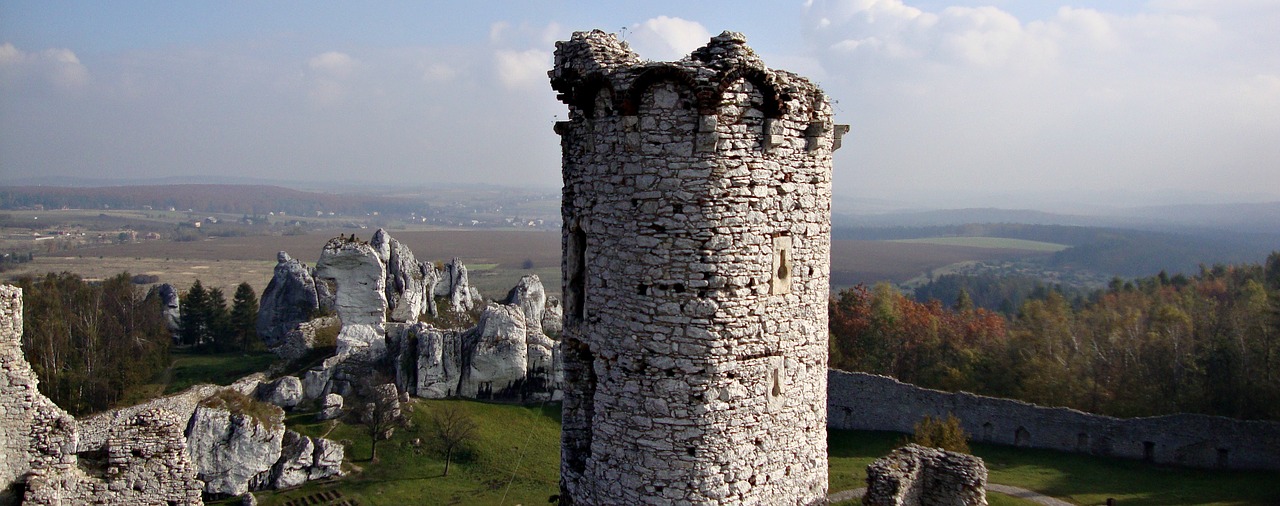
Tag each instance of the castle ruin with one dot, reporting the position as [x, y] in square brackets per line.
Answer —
[696, 241]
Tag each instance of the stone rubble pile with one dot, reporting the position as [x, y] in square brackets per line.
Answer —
[918, 476]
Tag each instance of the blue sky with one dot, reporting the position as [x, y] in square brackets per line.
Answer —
[997, 103]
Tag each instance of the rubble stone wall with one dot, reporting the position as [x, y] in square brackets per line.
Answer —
[140, 459]
[918, 476]
[861, 401]
[696, 239]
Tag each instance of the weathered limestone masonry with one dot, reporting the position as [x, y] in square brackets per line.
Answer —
[860, 401]
[34, 432]
[141, 459]
[696, 260]
[917, 476]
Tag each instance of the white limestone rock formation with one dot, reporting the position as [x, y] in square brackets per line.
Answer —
[456, 286]
[172, 305]
[553, 317]
[359, 276]
[289, 299]
[297, 455]
[408, 291]
[531, 297]
[306, 336]
[326, 460]
[330, 407]
[232, 449]
[438, 368]
[365, 343]
[494, 354]
[543, 366]
[285, 392]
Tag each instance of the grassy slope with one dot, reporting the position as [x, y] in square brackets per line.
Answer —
[515, 460]
[1076, 478]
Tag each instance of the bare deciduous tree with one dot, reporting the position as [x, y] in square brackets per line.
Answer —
[454, 427]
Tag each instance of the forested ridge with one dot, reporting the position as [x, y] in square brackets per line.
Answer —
[1206, 343]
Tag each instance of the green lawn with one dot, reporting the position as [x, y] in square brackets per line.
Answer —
[514, 459]
[1075, 478]
[191, 368]
[990, 242]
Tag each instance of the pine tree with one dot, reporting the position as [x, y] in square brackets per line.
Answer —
[218, 318]
[195, 315]
[244, 316]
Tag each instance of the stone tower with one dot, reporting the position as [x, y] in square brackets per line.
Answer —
[696, 261]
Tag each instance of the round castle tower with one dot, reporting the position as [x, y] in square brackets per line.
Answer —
[696, 206]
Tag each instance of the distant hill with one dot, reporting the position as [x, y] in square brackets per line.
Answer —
[210, 198]
[1108, 250]
[1261, 217]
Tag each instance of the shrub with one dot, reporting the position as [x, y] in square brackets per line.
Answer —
[946, 434]
[237, 403]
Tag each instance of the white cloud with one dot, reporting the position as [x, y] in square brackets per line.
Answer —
[333, 64]
[520, 69]
[667, 38]
[1179, 92]
[57, 66]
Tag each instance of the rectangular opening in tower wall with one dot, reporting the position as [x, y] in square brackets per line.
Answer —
[780, 277]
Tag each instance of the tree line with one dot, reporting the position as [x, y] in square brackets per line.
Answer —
[207, 322]
[90, 343]
[1206, 343]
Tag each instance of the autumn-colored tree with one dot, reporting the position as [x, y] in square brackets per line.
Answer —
[943, 433]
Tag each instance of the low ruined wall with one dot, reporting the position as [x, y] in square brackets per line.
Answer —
[95, 429]
[915, 475]
[860, 401]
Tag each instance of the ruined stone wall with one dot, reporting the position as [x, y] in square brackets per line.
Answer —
[918, 476]
[33, 431]
[696, 240]
[869, 402]
[137, 459]
[143, 461]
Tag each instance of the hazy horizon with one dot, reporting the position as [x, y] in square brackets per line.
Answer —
[1038, 105]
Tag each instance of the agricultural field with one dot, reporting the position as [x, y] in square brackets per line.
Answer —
[870, 262]
[495, 258]
[990, 242]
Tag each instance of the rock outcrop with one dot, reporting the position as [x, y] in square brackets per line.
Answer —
[284, 392]
[409, 282]
[437, 367]
[455, 285]
[915, 475]
[495, 354]
[306, 336]
[360, 279]
[330, 408]
[234, 445]
[381, 290]
[289, 299]
[172, 305]
[304, 458]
